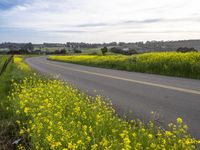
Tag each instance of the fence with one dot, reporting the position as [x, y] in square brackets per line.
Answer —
[8, 60]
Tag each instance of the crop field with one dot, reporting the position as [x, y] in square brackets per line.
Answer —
[166, 63]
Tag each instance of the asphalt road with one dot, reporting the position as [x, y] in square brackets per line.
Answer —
[133, 94]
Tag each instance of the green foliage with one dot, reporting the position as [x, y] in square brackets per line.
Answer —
[104, 50]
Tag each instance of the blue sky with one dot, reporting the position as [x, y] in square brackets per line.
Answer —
[41, 21]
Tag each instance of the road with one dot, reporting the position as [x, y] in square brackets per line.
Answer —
[133, 94]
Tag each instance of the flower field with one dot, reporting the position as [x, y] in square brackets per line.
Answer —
[52, 114]
[166, 63]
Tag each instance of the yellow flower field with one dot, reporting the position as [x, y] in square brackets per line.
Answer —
[54, 115]
[165, 63]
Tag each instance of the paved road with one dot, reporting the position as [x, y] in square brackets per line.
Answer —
[133, 94]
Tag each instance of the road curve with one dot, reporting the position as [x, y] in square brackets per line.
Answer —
[133, 94]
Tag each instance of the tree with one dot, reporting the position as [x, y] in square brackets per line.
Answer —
[63, 51]
[120, 51]
[27, 48]
[104, 50]
[77, 51]
[186, 49]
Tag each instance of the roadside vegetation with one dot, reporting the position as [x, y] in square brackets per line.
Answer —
[2, 61]
[43, 113]
[8, 127]
[166, 63]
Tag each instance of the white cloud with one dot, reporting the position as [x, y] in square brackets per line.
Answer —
[106, 20]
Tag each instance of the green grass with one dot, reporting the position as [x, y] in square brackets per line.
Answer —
[171, 63]
[8, 128]
[2, 60]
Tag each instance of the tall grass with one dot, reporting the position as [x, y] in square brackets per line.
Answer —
[169, 63]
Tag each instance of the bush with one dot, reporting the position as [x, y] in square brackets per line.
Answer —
[104, 50]
[186, 49]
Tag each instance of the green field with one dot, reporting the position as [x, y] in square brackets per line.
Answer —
[169, 63]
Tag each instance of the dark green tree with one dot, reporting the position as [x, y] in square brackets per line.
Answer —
[104, 50]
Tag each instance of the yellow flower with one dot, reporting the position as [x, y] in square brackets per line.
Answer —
[18, 122]
[150, 136]
[49, 137]
[179, 120]
[152, 145]
[21, 131]
[168, 133]
[94, 147]
[26, 110]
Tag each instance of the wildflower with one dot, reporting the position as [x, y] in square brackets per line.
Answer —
[150, 136]
[26, 110]
[94, 147]
[179, 120]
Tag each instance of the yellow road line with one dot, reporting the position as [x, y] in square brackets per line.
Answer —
[130, 80]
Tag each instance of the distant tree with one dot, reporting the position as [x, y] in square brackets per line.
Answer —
[117, 50]
[104, 50]
[186, 49]
[77, 51]
[131, 52]
[56, 52]
[120, 51]
[27, 48]
[63, 51]
[13, 49]
[94, 53]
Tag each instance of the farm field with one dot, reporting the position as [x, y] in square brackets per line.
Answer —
[66, 118]
[168, 63]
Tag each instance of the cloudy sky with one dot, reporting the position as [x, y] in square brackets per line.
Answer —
[41, 21]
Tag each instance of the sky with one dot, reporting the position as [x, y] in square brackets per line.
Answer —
[98, 21]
